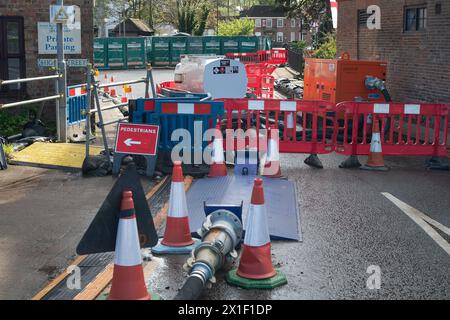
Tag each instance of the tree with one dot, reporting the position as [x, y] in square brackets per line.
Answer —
[192, 16]
[237, 27]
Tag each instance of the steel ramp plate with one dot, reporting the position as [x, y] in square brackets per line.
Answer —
[54, 155]
[280, 198]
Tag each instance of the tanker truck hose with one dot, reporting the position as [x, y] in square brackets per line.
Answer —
[191, 289]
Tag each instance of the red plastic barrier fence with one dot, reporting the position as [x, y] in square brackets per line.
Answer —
[306, 126]
[407, 129]
[274, 56]
[260, 80]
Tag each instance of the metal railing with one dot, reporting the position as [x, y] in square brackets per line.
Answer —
[56, 97]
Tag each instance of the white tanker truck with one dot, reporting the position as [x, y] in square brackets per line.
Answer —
[216, 75]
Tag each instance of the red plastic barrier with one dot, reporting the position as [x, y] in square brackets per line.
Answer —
[279, 56]
[274, 56]
[314, 133]
[260, 81]
[407, 129]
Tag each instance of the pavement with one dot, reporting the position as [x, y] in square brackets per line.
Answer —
[348, 226]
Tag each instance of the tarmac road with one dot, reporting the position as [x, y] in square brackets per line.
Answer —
[347, 226]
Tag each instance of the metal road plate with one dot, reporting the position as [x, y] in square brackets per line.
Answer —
[280, 198]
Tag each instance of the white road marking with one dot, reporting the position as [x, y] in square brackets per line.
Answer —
[419, 218]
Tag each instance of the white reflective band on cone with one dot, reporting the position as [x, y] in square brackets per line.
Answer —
[128, 249]
[375, 145]
[218, 151]
[177, 202]
[256, 230]
[273, 153]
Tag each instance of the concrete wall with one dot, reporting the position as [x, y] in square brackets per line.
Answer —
[418, 61]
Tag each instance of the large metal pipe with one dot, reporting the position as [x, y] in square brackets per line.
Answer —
[221, 233]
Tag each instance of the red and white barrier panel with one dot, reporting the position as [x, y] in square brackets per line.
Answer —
[75, 92]
[407, 129]
[185, 108]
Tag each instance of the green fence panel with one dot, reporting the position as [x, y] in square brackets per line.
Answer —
[116, 53]
[100, 53]
[135, 53]
[178, 46]
[148, 49]
[211, 45]
[248, 44]
[195, 45]
[229, 44]
[161, 51]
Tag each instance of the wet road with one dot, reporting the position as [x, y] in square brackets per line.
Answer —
[348, 226]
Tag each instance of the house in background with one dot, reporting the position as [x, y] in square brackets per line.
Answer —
[414, 40]
[273, 22]
[133, 28]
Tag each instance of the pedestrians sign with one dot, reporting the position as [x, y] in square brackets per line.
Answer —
[137, 139]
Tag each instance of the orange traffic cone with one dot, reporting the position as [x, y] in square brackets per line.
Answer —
[272, 166]
[218, 167]
[255, 269]
[105, 77]
[177, 236]
[375, 162]
[128, 277]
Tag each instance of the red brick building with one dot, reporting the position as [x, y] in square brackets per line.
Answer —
[273, 22]
[414, 39]
[19, 47]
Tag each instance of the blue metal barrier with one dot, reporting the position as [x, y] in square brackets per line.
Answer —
[172, 114]
[76, 104]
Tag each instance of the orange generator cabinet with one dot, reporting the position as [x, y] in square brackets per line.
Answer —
[342, 79]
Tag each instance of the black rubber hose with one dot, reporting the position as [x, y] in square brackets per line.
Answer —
[191, 289]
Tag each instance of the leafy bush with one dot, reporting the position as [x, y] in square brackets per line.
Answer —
[298, 46]
[237, 27]
[12, 122]
[327, 49]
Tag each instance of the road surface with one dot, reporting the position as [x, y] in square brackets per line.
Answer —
[352, 222]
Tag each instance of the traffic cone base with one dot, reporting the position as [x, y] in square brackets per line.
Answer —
[177, 232]
[217, 170]
[256, 262]
[272, 166]
[127, 285]
[277, 280]
[152, 295]
[163, 249]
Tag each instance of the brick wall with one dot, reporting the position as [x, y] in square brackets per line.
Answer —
[418, 61]
[286, 29]
[34, 11]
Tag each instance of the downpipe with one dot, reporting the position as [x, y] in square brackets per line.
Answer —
[221, 232]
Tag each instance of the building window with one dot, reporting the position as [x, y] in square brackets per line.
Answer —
[258, 34]
[415, 18]
[12, 51]
[292, 36]
[292, 23]
[269, 23]
[280, 23]
[362, 18]
[263, 22]
[279, 36]
[258, 23]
